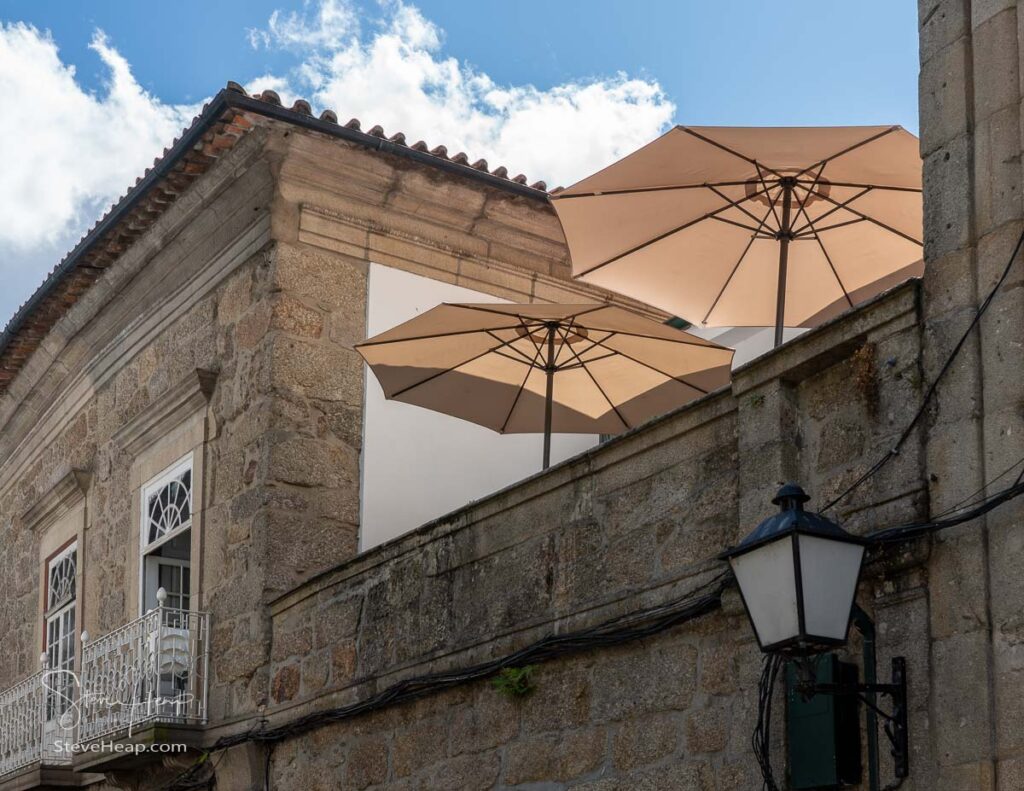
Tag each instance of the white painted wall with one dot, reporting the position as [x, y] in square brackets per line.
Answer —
[418, 464]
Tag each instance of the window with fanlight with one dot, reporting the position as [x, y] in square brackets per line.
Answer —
[61, 574]
[166, 537]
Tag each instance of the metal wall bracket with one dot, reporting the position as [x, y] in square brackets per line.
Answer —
[895, 722]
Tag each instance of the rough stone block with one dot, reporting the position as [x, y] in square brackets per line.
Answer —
[660, 676]
[492, 719]
[960, 698]
[940, 23]
[996, 63]
[555, 757]
[561, 698]
[367, 763]
[707, 730]
[645, 740]
[947, 213]
[943, 97]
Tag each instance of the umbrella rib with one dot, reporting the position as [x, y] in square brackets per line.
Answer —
[523, 319]
[831, 266]
[487, 330]
[728, 150]
[848, 149]
[600, 389]
[872, 220]
[745, 227]
[813, 231]
[708, 345]
[843, 205]
[519, 392]
[802, 183]
[518, 360]
[516, 349]
[807, 196]
[732, 202]
[656, 370]
[771, 203]
[574, 366]
[660, 237]
[640, 190]
[434, 376]
[593, 344]
[728, 280]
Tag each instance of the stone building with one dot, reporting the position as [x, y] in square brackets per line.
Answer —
[181, 409]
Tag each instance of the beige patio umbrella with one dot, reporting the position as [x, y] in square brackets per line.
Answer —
[578, 369]
[734, 226]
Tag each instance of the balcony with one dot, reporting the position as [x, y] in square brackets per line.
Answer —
[150, 673]
[36, 722]
[152, 670]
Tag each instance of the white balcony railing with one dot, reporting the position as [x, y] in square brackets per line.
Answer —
[150, 670]
[36, 722]
[21, 732]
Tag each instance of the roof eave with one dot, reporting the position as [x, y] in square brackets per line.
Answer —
[229, 99]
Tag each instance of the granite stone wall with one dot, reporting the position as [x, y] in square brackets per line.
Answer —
[629, 525]
[267, 260]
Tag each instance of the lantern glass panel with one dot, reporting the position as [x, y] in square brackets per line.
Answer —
[767, 578]
[829, 572]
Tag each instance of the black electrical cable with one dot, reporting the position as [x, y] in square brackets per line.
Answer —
[761, 740]
[971, 498]
[633, 626]
[893, 535]
[930, 393]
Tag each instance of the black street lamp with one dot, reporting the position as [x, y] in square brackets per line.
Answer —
[797, 574]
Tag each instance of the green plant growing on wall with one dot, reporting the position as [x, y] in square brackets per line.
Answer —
[515, 682]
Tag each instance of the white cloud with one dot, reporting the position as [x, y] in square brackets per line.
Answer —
[325, 25]
[70, 151]
[397, 76]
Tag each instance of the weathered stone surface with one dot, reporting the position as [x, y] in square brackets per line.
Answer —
[285, 685]
[367, 763]
[555, 757]
[300, 622]
[645, 740]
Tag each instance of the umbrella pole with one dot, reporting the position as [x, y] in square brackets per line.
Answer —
[785, 234]
[550, 371]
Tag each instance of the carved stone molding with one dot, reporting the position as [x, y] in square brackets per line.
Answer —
[167, 412]
[62, 496]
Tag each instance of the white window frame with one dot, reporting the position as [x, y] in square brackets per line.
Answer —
[67, 636]
[154, 484]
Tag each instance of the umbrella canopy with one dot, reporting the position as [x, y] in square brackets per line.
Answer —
[732, 226]
[584, 369]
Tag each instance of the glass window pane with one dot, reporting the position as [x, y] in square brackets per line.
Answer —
[829, 571]
[767, 578]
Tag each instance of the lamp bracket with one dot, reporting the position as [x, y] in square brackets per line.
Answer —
[895, 723]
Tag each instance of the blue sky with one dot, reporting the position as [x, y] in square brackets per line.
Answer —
[554, 89]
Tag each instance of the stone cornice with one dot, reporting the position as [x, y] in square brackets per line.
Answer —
[167, 412]
[331, 229]
[62, 496]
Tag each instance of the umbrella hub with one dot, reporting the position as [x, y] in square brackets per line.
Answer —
[564, 332]
[768, 190]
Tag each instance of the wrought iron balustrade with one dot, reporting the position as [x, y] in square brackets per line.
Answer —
[37, 719]
[151, 670]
